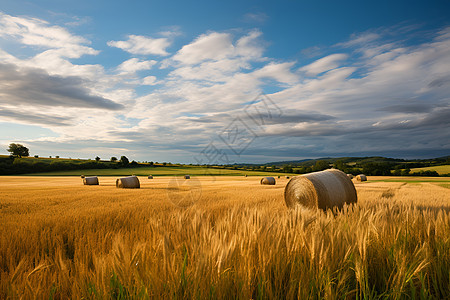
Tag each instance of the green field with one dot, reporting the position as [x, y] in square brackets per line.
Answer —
[412, 179]
[51, 159]
[160, 171]
[445, 169]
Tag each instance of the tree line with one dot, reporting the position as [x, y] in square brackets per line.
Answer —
[369, 168]
[16, 163]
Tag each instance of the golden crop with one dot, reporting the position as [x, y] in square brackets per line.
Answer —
[229, 237]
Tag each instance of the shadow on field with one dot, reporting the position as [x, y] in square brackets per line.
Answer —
[434, 209]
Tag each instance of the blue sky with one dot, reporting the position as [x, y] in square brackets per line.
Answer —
[222, 82]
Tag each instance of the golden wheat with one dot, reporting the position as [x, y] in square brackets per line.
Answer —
[61, 239]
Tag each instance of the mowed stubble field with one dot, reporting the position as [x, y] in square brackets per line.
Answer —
[220, 237]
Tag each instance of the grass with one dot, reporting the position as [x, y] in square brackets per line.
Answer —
[445, 169]
[48, 159]
[160, 171]
[236, 239]
[407, 179]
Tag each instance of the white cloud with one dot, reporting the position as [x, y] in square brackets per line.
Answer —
[149, 80]
[280, 72]
[256, 17]
[58, 44]
[212, 46]
[137, 44]
[36, 32]
[360, 39]
[324, 64]
[134, 65]
[171, 31]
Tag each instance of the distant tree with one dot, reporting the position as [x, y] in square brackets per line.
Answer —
[18, 150]
[340, 165]
[36, 156]
[406, 172]
[113, 159]
[377, 169]
[397, 172]
[134, 164]
[150, 163]
[124, 160]
[49, 156]
[57, 156]
[321, 165]
[287, 169]
[97, 159]
[164, 164]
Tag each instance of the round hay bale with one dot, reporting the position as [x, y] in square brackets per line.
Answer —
[350, 176]
[187, 177]
[90, 180]
[324, 189]
[131, 182]
[268, 180]
[361, 177]
[150, 177]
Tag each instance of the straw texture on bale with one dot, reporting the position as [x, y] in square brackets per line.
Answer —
[350, 176]
[150, 177]
[324, 189]
[187, 177]
[268, 180]
[90, 180]
[361, 177]
[131, 182]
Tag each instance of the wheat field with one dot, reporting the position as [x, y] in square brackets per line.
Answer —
[222, 237]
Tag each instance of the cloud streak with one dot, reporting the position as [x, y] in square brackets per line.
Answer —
[24, 87]
[142, 45]
[34, 118]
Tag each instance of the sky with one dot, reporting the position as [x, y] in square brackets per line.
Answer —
[224, 82]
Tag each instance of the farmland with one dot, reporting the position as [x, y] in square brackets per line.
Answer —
[161, 171]
[220, 237]
[445, 169]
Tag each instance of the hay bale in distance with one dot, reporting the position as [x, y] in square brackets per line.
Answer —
[361, 177]
[131, 182]
[187, 177]
[90, 180]
[150, 177]
[324, 189]
[268, 180]
[350, 176]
